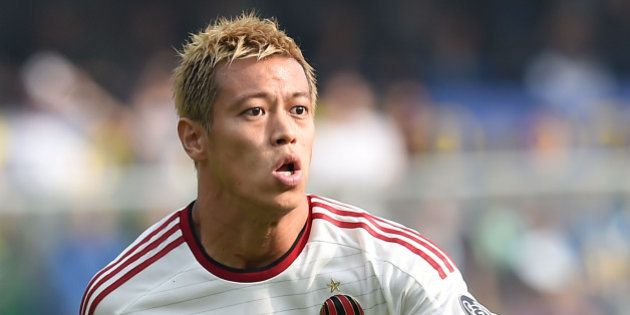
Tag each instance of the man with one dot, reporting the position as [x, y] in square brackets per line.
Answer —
[254, 242]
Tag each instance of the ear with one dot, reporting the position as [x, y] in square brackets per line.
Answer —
[194, 138]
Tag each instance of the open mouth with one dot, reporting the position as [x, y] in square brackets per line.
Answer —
[287, 168]
[289, 171]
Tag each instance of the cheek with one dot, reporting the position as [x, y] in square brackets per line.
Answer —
[309, 139]
[241, 150]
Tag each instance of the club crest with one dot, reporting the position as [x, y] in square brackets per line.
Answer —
[341, 304]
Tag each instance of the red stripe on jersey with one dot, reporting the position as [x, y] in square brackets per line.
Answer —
[366, 227]
[443, 256]
[134, 272]
[131, 260]
[335, 202]
[125, 255]
[411, 234]
[347, 307]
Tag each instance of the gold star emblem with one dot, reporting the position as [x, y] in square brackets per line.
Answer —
[334, 286]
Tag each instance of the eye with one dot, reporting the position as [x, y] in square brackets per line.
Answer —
[254, 111]
[299, 110]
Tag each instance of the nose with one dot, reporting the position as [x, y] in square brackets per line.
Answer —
[282, 130]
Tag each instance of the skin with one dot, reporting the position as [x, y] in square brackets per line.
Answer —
[246, 216]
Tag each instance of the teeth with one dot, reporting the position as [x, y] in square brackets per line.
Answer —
[287, 170]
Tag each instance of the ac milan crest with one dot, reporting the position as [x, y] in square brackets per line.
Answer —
[341, 304]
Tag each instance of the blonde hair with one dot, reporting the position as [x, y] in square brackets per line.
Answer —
[226, 40]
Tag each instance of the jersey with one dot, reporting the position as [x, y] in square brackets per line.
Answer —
[345, 261]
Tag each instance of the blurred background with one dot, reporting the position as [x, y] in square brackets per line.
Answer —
[500, 129]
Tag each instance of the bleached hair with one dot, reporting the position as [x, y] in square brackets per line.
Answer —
[226, 40]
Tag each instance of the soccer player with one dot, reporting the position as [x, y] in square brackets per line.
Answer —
[253, 241]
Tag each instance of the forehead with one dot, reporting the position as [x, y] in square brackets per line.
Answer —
[275, 72]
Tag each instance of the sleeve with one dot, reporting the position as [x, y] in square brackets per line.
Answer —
[431, 294]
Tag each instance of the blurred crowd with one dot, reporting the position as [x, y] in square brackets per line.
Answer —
[500, 129]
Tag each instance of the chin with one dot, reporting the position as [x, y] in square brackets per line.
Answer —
[289, 200]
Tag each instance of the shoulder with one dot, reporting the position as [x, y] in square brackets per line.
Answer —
[116, 285]
[385, 240]
[414, 273]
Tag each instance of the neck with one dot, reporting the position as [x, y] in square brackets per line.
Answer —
[244, 235]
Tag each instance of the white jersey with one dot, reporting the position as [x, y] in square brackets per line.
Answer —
[345, 261]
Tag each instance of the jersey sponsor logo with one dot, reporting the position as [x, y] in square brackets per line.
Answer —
[341, 304]
[472, 307]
